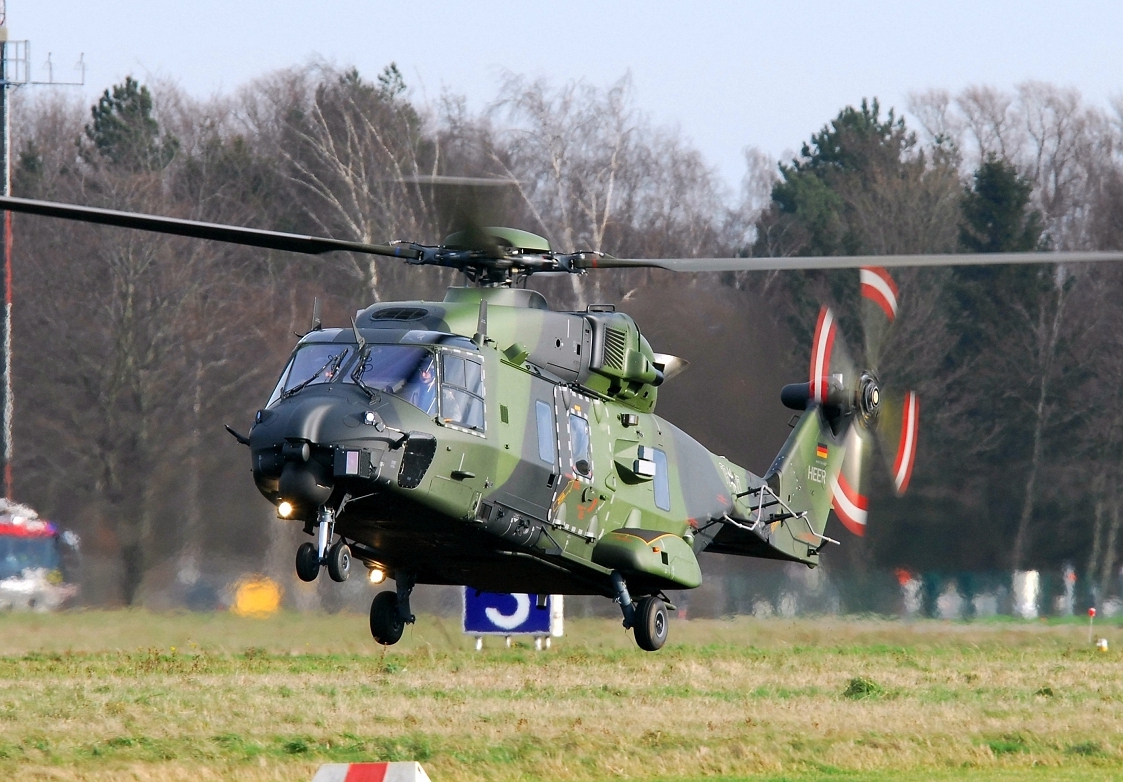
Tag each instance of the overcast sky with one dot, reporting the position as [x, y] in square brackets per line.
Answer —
[728, 74]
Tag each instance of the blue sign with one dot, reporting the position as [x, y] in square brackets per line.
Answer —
[494, 613]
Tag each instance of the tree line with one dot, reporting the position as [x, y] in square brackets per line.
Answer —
[131, 350]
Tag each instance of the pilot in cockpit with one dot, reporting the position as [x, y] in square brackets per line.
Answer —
[423, 386]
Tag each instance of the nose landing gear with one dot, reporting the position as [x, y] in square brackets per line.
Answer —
[311, 557]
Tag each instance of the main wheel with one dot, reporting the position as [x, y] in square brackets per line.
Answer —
[339, 561]
[651, 623]
[386, 623]
[307, 562]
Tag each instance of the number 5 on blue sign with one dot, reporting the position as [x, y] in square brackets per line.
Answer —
[498, 613]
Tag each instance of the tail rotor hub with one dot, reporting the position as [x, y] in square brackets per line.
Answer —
[869, 396]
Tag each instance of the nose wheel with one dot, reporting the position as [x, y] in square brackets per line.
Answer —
[339, 561]
[307, 562]
[336, 557]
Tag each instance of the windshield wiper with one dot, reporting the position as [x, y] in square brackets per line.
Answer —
[357, 376]
[332, 363]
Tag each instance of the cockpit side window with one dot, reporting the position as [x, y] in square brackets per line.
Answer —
[319, 362]
[462, 391]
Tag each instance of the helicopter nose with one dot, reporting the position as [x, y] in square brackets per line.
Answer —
[289, 462]
[307, 484]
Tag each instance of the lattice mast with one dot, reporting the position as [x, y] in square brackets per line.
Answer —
[15, 71]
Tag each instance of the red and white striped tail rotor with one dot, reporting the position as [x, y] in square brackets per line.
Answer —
[848, 492]
[878, 287]
[879, 310]
[821, 350]
[879, 415]
[906, 443]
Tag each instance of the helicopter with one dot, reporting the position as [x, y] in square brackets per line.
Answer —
[489, 441]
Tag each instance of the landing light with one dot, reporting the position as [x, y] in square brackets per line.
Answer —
[377, 576]
[284, 510]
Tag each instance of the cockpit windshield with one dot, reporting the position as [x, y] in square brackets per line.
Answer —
[311, 364]
[406, 372]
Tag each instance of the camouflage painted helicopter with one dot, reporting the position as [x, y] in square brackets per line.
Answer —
[487, 440]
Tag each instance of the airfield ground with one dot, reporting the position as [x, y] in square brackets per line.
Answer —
[98, 695]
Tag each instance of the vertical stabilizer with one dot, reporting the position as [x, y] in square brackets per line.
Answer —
[796, 502]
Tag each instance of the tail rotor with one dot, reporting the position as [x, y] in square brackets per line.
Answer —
[874, 417]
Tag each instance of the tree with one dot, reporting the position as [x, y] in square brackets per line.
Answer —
[1011, 323]
[354, 156]
[124, 131]
[863, 186]
[995, 216]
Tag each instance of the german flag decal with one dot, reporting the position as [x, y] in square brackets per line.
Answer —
[821, 451]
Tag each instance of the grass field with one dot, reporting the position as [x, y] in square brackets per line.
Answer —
[140, 696]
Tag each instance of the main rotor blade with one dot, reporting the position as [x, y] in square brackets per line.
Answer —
[592, 261]
[233, 234]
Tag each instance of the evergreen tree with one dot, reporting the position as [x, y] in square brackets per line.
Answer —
[994, 217]
[28, 175]
[856, 152]
[124, 131]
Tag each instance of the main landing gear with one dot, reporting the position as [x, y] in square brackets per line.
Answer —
[310, 557]
[390, 612]
[647, 618]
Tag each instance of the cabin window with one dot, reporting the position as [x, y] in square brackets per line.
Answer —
[547, 436]
[580, 452]
[462, 391]
[662, 481]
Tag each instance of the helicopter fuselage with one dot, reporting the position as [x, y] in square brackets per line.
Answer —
[531, 462]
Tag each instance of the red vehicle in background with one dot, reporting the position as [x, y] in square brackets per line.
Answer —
[34, 556]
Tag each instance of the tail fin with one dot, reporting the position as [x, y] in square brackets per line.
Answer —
[784, 516]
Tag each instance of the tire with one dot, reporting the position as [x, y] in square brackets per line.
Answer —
[651, 623]
[307, 562]
[386, 623]
[339, 561]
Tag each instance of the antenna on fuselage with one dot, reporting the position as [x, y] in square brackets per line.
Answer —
[481, 325]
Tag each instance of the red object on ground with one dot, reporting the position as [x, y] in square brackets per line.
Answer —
[399, 771]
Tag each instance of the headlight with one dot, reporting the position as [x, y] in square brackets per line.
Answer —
[284, 510]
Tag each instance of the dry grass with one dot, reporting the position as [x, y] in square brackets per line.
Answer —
[103, 695]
